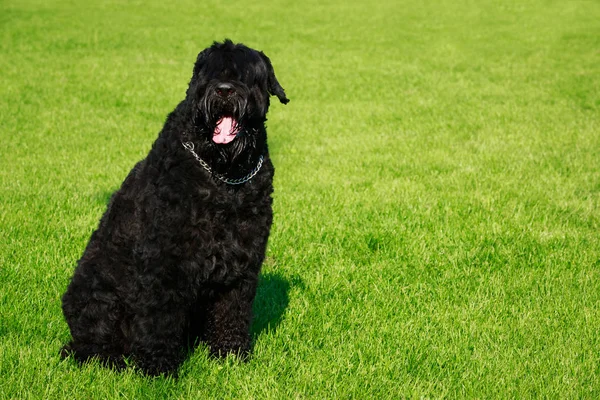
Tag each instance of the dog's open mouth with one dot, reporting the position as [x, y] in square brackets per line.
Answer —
[226, 130]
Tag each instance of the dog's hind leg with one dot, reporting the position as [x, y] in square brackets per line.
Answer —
[95, 339]
[94, 316]
[105, 354]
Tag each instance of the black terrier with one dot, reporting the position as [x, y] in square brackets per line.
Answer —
[177, 254]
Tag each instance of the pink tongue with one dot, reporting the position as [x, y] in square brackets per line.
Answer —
[225, 131]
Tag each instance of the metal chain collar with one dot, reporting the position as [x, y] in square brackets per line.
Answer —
[190, 147]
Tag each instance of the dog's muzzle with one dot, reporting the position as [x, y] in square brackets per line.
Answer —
[225, 90]
[224, 107]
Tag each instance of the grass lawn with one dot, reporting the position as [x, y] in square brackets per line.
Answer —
[437, 204]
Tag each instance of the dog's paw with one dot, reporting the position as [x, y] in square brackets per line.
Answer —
[158, 366]
[66, 351]
[242, 352]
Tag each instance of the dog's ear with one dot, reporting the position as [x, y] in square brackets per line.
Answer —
[272, 83]
[200, 61]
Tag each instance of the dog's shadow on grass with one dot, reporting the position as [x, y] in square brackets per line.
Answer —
[270, 303]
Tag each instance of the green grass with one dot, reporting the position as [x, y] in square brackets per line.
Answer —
[437, 205]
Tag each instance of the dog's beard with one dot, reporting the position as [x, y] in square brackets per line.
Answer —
[225, 117]
[232, 141]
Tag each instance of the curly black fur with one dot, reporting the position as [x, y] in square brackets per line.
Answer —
[178, 252]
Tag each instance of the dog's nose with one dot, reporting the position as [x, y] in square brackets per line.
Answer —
[224, 89]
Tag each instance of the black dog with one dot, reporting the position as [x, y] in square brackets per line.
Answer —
[177, 254]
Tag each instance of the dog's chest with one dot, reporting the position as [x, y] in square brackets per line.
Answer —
[229, 233]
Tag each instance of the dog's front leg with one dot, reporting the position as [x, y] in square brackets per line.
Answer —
[157, 339]
[227, 329]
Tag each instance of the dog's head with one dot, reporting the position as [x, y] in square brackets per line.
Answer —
[230, 91]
